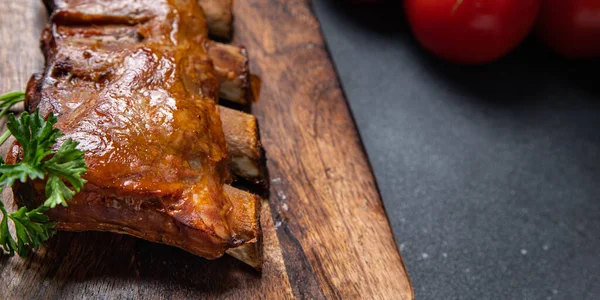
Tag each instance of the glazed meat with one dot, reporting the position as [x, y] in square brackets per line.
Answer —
[131, 81]
[241, 129]
[230, 61]
[218, 13]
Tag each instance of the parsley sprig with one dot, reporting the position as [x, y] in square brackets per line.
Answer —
[8, 100]
[58, 167]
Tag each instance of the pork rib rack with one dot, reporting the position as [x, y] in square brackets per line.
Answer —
[133, 82]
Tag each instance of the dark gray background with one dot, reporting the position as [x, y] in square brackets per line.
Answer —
[490, 175]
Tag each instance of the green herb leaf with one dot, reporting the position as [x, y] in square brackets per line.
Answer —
[9, 99]
[6, 240]
[36, 136]
[33, 228]
[66, 164]
[61, 167]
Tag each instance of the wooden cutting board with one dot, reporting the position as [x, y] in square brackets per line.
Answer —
[326, 233]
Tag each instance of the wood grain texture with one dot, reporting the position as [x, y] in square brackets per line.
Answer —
[326, 233]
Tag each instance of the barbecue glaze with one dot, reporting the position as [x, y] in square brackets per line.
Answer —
[131, 81]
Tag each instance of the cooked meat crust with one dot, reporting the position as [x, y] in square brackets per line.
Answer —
[132, 82]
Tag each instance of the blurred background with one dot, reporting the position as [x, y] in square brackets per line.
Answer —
[489, 170]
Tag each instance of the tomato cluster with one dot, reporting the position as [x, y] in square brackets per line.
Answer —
[481, 31]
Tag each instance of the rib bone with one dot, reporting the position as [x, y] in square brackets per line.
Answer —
[243, 142]
[231, 66]
[218, 16]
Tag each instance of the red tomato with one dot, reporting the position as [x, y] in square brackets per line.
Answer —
[471, 31]
[571, 27]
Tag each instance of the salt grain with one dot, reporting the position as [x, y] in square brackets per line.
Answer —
[281, 195]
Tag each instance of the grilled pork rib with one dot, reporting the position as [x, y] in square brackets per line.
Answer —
[230, 62]
[241, 135]
[131, 81]
[218, 13]
[241, 130]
